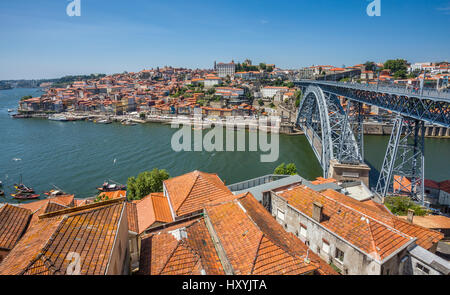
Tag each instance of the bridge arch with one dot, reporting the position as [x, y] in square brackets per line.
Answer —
[326, 126]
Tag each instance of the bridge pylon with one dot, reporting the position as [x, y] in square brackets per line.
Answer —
[403, 167]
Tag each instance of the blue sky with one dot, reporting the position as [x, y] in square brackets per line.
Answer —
[39, 40]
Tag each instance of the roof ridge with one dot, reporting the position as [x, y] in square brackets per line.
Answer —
[374, 245]
[46, 245]
[190, 190]
[257, 251]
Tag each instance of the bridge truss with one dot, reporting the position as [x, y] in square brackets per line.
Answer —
[329, 129]
[335, 133]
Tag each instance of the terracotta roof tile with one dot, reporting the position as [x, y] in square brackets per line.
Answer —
[13, 223]
[374, 231]
[44, 248]
[190, 192]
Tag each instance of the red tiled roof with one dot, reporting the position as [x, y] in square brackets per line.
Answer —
[375, 232]
[188, 193]
[43, 250]
[13, 223]
[163, 254]
[151, 209]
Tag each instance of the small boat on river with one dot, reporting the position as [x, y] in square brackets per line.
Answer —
[112, 187]
[60, 118]
[22, 196]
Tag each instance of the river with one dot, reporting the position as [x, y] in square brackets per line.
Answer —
[78, 156]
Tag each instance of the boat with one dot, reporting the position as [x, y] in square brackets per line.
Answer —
[22, 196]
[60, 118]
[103, 122]
[107, 187]
[129, 123]
[21, 116]
[54, 193]
[1, 183]
[10, 110]
[2, 193]
[23, 189]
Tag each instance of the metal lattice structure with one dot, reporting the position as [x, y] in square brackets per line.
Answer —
[403, 167]
[402, 172]
[431, 106]
[327, 128]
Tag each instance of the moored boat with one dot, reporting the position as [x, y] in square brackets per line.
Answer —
[2, 193]
[58, 117]
[103, 122]
[21, 188]
[22, 196]
[107, 187]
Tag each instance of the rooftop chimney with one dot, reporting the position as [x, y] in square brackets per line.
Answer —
[410, 215]
[317, 212]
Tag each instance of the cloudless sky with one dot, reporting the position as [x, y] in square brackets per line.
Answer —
[39, 40]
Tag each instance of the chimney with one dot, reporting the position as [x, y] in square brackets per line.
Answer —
[410, 215]
[317, 212]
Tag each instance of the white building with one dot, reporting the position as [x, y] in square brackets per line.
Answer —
[225, 69]
[271, 91]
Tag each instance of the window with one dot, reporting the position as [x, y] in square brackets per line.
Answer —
[326, 247]
[339, 255]
[303, 230]
[280, 214]
[423, 268]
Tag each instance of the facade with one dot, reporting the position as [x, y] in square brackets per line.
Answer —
[225, 69]
[270, 91]
[356, 237]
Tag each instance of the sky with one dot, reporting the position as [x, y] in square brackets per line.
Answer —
[39, 40]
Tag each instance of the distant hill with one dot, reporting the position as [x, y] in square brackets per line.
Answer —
[59, 82]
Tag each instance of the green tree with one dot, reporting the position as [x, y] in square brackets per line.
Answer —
[370, 66]
[283, 169]
[26, 97]
[146, 183]
[400, 206]
[398, 67]
[262, 66]
[260, 102]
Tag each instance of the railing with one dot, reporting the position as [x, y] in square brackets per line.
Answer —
[398, 90]
[244, 185]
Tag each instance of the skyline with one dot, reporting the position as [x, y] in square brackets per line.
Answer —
[41, 41]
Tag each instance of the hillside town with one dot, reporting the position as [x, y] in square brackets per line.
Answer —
[272, 225]
[223, 91]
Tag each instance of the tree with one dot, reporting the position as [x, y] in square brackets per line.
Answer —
[146, 183]
[398, 67]
[26, 97]
[370, 66]
[260, 102]
[262, 66]
[400, 206]
[283, 169]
